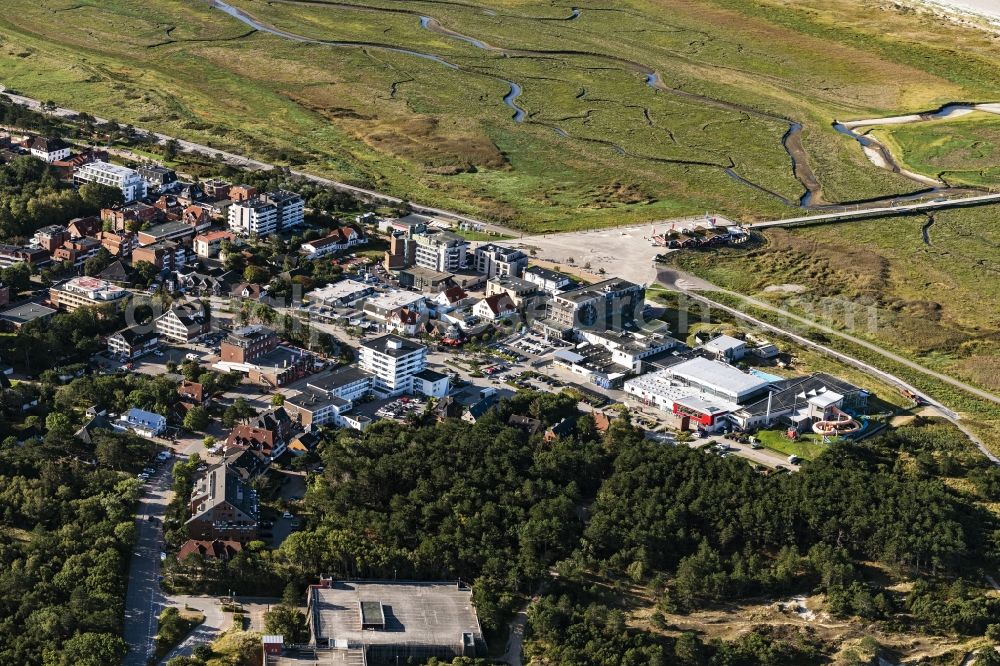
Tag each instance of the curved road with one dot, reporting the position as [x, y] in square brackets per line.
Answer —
[688, 285]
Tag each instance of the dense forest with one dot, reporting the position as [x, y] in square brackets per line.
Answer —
[491, 504]
[66, 532]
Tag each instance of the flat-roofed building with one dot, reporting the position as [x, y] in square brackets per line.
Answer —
[382, 307]
[25, 313]
[719, 379]
[16, 254]
[176, 231]
[394, 622]
[164, 254]
[253, 217]
[85, 291]
[247, 344]
[520, 291]
[551, 282]
[127, 180]
[394, 361]
[289, 208]
[610, 305]
[494, 261]
[442, 251]
[340, 293]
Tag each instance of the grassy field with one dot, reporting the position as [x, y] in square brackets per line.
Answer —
[935, 300]
[962, 151]
[807, 446]
[598, 146]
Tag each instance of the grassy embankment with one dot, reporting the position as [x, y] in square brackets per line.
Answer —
[442, 136]
[961, 151]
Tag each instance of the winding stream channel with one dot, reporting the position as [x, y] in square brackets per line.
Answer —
[812, 196]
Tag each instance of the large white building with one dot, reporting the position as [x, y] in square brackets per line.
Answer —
[253, 217]
[289, 208]
[440, 251]
[127, 180]
[496, 261]
[394, 361]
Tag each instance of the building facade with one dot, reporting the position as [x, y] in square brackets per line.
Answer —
[127, 180]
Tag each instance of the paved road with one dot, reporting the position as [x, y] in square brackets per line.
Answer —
[144, 600]
[245, 162]
[681, 282]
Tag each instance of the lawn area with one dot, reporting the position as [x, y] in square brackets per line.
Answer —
[387, 103]
[807, 446]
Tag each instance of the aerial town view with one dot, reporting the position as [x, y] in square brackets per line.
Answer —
[499, 332]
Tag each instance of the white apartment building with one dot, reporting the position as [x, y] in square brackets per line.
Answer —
[496, 261]
[393, 361]
[127, 180]
[548, 281]
[441, 251]
[182, 323]
[253, 217]
[289, 208]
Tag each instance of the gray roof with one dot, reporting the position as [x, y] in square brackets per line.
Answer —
[382, 345]
[22, 314]
[432, 614]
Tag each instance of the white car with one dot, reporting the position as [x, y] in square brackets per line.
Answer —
[158, 353]
[192, 357]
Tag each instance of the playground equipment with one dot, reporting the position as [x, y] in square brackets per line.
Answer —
[841, 424]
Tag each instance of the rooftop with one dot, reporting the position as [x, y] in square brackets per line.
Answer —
[718, 376]
[722, 344]
[392, 345]
[22, 314]
[414, 613]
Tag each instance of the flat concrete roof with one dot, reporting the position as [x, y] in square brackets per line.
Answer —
[22, 314]
[415, 613]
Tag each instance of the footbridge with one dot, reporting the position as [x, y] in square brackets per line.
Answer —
[882, 211]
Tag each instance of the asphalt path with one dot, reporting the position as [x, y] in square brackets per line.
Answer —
[144, 601]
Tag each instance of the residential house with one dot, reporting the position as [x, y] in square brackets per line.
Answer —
[47, 149]
[493, 308]
[208, 244]
[132, 343]
[451, 299]
[222, 506]
[338, 240]
[184, 322]
[141, 422]
[219, 549]
[192, 392]
[79, 227]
